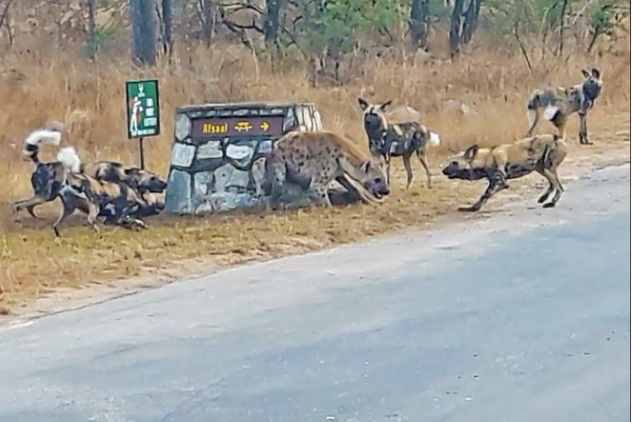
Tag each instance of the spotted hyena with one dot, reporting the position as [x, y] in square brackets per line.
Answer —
[310, 161]
[388, 140]
[557, 104]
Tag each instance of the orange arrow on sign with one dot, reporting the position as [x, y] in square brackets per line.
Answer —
[264, 126]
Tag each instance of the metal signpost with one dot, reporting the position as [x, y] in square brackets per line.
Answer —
[143, 112]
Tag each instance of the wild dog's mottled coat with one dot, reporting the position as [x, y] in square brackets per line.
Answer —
[541, 153]
[396, 140]
[557, 104]
[312, 160]
[47, 178]
[117, 201]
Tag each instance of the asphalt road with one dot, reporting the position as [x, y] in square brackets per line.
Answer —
[521, 316]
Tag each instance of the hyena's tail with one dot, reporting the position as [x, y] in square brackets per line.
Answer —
[69, 159]
[37, 138]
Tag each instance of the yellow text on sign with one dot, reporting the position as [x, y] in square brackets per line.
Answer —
[264, 126]
[213, 128]
[243, 127]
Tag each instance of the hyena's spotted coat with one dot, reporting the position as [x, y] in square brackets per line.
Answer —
[312, 160]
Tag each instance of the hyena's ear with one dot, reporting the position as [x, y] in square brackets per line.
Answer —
[363, 103]
[470, 153]
[595, 72]
[384, 106]
[585, 73]
[366, 166]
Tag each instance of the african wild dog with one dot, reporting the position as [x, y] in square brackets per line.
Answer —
[118, 202]
[540, 153]
[396, 140]
[557, 104]
[312, 160]
[47, 178]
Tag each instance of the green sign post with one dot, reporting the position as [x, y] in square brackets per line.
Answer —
[143, 111]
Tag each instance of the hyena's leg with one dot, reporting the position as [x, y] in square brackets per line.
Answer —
[423, 159]
[409, 170]
[559, 189]
[550, 188]
[533, 116]
[583, 129]
[66, 211]
[318, 195]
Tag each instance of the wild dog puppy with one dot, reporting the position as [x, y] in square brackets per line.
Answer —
[116, 201]
[541, 153]
[396, 140]
[557, 104]
[312, 160]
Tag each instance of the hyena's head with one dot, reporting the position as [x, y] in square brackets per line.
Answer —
[373, 115]
[466, 165]
[373, 178]
[592, 84]
[144, 180]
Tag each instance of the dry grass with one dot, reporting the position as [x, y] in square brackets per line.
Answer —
[51, 88]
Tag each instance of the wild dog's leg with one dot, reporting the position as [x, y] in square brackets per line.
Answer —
[409, 170]
[559, 189]
[496, 184]
[551, 187]
[387, 160]
[560, 122]
[29, 204]
[423, 159]
[67, 210]
[583, 129]
[93, 213]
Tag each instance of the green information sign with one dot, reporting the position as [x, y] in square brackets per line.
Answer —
[143, 108]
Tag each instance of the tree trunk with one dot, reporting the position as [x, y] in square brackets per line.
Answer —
[144, 40]
[455, 27]
[167, 27]
[418, 23]
[471, 21]
[271, 22]
[93, 45]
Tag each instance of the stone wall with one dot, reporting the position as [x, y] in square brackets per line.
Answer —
[215, 172]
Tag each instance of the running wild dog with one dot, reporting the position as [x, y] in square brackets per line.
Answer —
[557, 104]
[117, 201]
[541, 153]
[312, 160]
[388, 140]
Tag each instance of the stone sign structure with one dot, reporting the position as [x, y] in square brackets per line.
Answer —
[216, 159]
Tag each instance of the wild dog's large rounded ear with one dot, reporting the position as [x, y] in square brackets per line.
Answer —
[585, 73]
[385, 105]
[363, 103]
[595, 72]
[470, 153]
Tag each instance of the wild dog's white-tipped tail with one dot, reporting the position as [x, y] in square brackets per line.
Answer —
[550, 111]
[435, 139]
[37, 138]
[68, 158]
[531, 116]
[43, 136]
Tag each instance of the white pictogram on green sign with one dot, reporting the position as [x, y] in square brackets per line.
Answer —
[143, 113]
